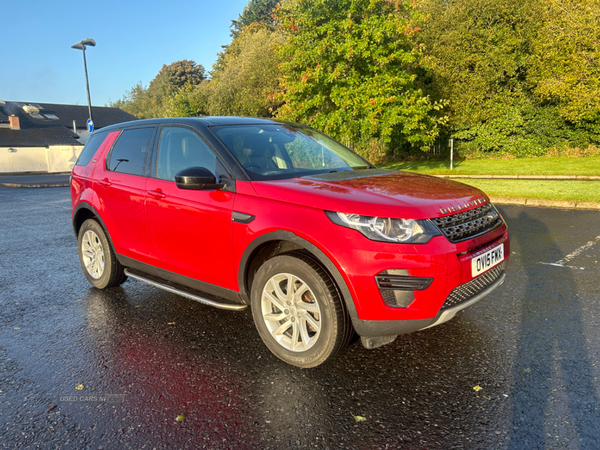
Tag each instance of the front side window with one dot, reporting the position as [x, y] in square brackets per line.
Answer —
[271, 152]
[179, 149]
[130, 152]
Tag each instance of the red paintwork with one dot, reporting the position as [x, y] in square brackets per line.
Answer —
[191, 233]
[402, 195]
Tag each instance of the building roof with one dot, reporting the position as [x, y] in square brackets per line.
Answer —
[37, 137]
[43, 124]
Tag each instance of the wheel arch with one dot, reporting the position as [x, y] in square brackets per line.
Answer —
[84, 211]
[279, 242]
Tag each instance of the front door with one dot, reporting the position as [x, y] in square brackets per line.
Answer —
[190, 230]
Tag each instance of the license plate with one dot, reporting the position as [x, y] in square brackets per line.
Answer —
[487, 260]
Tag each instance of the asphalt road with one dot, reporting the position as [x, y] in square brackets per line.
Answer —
[142, 357]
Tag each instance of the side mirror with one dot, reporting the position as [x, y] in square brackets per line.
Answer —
[197, 178]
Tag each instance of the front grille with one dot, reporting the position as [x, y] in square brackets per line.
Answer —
[465, 225]
[470, 289]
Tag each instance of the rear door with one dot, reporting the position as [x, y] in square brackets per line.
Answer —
[190, 230]
[121, 184]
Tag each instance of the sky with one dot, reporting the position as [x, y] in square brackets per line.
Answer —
[133, 41]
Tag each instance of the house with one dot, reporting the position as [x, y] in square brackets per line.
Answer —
[44, 137]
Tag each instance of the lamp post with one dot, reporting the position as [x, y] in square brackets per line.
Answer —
[81, 45]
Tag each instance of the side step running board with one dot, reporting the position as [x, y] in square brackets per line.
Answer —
[229, 306]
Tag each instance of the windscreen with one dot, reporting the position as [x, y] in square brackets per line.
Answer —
[275, 152]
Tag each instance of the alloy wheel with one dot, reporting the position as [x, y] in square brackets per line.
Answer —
[291, 312]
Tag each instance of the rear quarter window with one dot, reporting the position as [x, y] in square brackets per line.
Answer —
[90, 149]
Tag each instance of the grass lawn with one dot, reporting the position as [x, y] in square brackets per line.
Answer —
[524, 166]
[578, 191]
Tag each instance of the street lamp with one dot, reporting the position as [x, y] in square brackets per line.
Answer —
[81, 45]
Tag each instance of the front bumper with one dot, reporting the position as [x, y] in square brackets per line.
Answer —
[375, 328]
[453, 288]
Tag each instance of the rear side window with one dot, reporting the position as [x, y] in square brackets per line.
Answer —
[130, 153]
[90, 149]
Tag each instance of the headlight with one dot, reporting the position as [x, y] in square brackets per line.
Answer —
[406, 231]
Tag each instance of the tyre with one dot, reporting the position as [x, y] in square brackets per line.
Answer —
[98, 261]
[298, 312]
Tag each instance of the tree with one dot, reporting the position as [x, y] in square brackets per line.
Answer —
[175, 76]
[515, 83]
[139, 102]
[256, 11]
[565, 65]
[155, 100]
[478, 52]
[189, 101]
[351, 69]
[248, 76]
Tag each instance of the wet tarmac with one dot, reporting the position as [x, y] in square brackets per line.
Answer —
[82, 368]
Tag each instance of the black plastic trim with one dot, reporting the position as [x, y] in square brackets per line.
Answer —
[316, 253]
[240, 217]
[389, 327]
[87, 206]
[403, 282]
[192, 283]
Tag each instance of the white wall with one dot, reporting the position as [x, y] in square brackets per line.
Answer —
[25, 159]
[62, 158]
[39, 159]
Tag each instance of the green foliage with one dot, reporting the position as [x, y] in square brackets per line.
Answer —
[565, 68]
[256, 11]
[175, 76]
[352, 70]
[189, 101]
[138, 102]
[156, 100]
[389, 77]
[522, 130]
[521, 76]
[243, 83]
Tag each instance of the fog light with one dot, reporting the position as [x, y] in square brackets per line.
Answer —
[397, 299]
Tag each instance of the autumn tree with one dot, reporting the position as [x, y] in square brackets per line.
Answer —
[352, 70]
[256, 11]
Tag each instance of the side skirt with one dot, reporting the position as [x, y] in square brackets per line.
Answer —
[180, 282]
[185, 294]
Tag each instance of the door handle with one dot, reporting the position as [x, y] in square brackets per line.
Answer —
[158, 194]
[104, 182]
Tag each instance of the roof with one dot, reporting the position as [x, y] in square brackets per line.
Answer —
[37, 137]
[43, 124]
[65, 114]
[207, 121]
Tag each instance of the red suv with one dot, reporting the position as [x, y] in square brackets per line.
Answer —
[236, 212]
